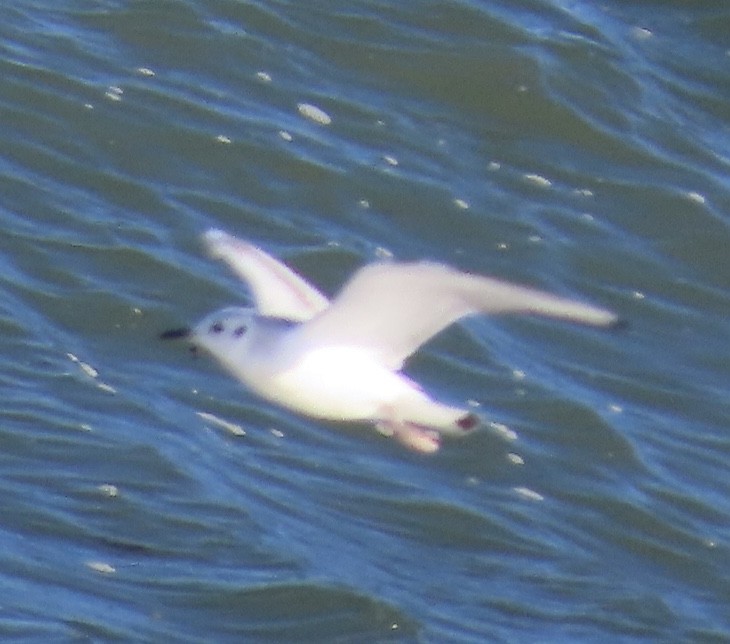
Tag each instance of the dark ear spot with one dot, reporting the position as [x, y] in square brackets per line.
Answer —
[240, 331]
[216, 327]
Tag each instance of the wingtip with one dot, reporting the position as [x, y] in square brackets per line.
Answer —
[619, 324]
[212, 238]
[597, 317]
[213, 233]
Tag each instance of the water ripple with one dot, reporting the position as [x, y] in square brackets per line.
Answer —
[578, 147]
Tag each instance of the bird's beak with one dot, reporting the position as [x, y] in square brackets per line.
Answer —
[176, 334]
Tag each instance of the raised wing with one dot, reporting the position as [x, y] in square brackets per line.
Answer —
[277, 290]
[393, 308]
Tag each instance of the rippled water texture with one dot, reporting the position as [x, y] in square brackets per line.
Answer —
[581, 147]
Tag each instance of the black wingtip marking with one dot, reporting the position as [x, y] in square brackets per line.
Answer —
[175, 334]
[621, 324]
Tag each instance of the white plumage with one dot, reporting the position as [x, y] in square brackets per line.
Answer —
[341, 360]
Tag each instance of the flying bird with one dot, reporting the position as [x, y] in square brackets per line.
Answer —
[342, 360]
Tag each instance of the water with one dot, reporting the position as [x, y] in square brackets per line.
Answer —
[583, 148]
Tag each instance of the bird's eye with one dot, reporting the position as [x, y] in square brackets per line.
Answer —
[217, 327]
[240, 331]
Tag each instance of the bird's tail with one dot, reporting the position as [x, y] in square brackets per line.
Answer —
[419, 423]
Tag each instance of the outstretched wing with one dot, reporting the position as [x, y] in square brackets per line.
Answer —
[277, 290]
[393, 308]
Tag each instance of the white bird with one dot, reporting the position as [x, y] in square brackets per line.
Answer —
[342, 360]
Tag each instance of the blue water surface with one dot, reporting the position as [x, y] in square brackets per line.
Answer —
[580, 147]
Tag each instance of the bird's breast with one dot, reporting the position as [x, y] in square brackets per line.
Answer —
[338, 383]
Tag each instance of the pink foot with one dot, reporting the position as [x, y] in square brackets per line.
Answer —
[419, 439]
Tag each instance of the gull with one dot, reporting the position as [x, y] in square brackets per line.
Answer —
[342, 360]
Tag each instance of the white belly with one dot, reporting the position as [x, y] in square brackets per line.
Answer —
[335, 383]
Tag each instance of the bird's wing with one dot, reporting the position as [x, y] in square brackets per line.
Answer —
[393, 308]
[277, 290]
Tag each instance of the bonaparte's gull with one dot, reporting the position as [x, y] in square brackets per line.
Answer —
[342, 360]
